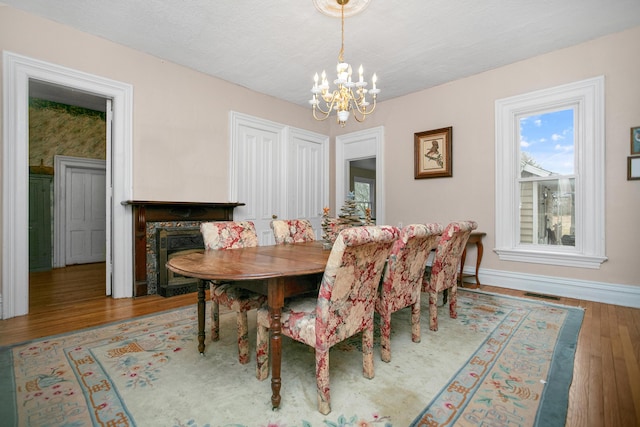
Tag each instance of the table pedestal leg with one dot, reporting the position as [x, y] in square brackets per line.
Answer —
[201, 312]
[276, 302]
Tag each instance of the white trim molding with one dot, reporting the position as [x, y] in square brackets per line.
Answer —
[606, 293]
[358, 145]
[588, 100]
[17, 71]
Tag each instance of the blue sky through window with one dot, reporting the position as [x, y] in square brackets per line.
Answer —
[548, 140]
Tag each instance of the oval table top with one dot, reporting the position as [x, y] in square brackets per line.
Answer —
[260, 262]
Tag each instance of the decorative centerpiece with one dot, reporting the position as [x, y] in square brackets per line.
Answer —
[348, 217]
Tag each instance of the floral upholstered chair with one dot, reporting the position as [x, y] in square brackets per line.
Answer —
[226, 235]
[443, 274]
[402, 279]
[344, 305]
[292, 231]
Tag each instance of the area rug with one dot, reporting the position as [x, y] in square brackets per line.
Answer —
[503, 361]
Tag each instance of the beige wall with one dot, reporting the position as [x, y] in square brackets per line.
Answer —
[180, 130]
[468, 106]
[180, 116]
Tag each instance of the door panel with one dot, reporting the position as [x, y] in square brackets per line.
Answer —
[257, 154]
[40, 231]
[307, 190]
[278, 172]
[86, 219]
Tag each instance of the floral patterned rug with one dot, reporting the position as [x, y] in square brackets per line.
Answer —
[502, 361]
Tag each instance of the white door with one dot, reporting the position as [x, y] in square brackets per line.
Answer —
[86, 216]
[278, 172]
[257, 173]
[307, 177]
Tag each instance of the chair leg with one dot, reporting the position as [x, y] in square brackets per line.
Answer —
[243, 337]
[322, 381]
[262, 353]
[453, 304]
[415, 321]
[367, 352]
[215, 320]
[385, 336]
[433, 310]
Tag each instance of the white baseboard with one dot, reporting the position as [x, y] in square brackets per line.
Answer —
[608, 293]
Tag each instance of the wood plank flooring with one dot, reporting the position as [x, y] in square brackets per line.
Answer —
[606, 379]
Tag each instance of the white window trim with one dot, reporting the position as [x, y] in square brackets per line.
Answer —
[587, 96]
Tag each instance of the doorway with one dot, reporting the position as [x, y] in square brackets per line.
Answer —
[363, 149]
[18, 71]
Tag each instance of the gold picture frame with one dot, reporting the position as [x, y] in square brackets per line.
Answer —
[432, 153]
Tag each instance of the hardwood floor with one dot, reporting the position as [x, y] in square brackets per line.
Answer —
[606, 382]
[71, 298]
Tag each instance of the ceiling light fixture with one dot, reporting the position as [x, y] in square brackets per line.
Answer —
[349, 96]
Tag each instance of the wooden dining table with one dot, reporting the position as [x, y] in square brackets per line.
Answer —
[277, 271]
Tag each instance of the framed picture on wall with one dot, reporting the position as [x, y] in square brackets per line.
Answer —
[432, 153]
[635, 140]
[633, 168]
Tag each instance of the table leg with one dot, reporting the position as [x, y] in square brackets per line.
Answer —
[480, 249]
[276, 302]
[201, 312]
[460, 274]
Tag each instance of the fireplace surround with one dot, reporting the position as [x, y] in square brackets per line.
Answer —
[151, 216]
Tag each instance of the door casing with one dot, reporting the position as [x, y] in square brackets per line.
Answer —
[17, 71]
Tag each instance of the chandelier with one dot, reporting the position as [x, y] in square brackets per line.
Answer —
[348, 95]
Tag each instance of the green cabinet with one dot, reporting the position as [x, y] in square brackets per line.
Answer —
[40, 222]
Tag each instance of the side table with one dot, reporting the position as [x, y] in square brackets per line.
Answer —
[474, 238]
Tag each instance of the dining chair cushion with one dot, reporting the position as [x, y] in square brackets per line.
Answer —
[292, 231]
[229, 235]
[445, 267]
[401, 282]
[344, 305]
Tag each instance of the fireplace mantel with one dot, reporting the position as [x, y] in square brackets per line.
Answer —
[155, 211]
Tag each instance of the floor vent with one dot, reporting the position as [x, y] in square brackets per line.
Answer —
[532, 294]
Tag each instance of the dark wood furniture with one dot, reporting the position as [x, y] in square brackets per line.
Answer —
[474, 238]
[277, 271]
[155, 211]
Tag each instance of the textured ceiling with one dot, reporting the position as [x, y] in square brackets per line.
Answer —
[275, 47]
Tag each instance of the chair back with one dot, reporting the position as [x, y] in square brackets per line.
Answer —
[349, 287]
[444, 270]
[292, 231]
[229, 235]
[402, 277]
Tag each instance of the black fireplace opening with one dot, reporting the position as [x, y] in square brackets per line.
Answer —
[175, 241]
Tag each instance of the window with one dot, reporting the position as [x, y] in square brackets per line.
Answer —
[365, 190]
[550, 176]
[547, 178]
